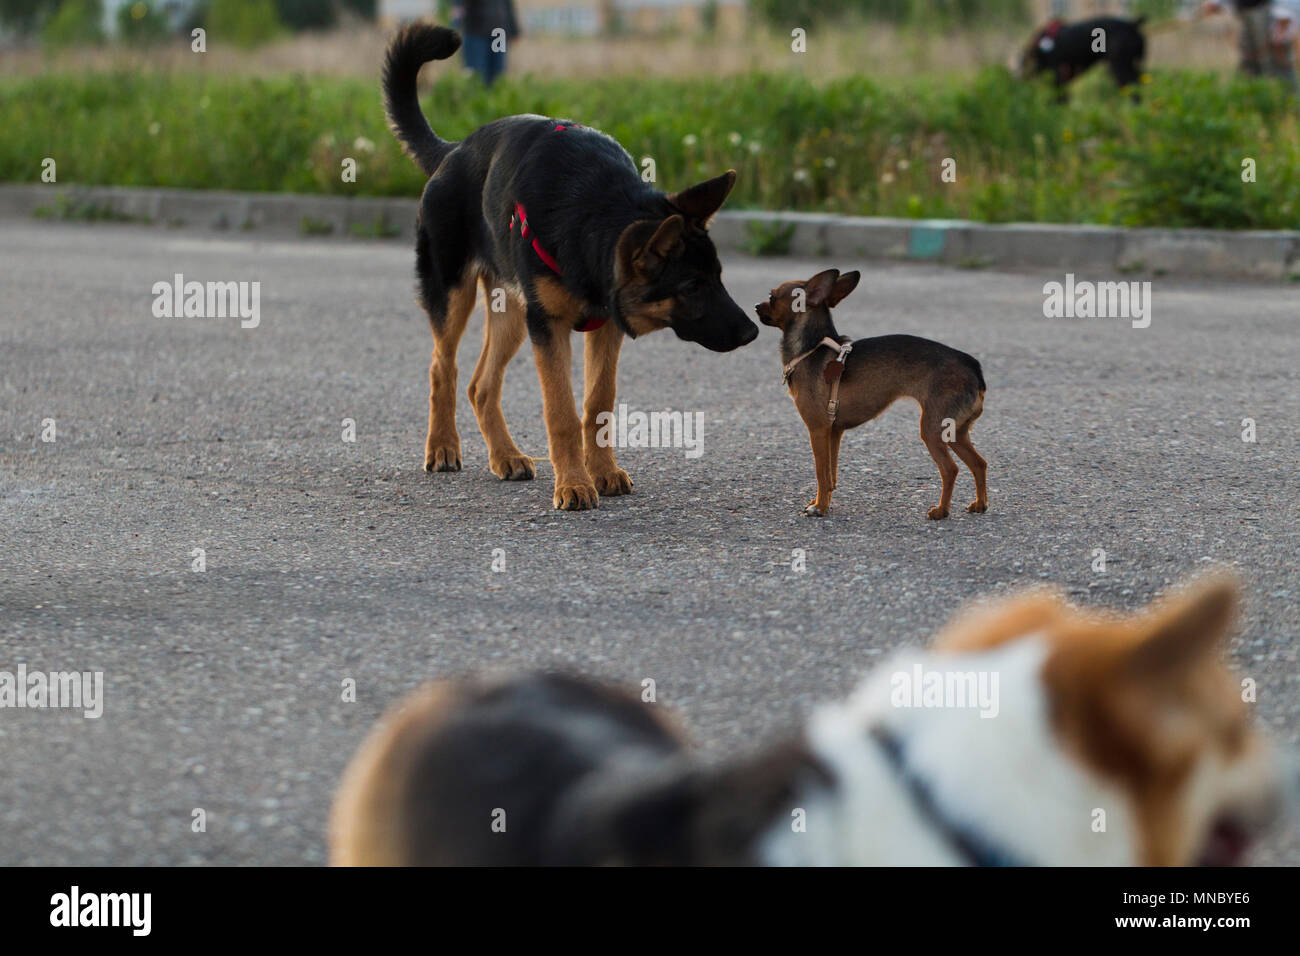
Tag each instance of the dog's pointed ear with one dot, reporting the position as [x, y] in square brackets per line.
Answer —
[665, 244]
[704, 199]
[842, 287]
[817, 290]
[1183, 631]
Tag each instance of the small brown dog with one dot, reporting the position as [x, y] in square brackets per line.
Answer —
[837, 385]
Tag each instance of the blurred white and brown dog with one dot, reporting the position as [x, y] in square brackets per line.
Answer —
[1034, 733]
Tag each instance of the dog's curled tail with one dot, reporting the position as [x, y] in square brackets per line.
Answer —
[413, 46]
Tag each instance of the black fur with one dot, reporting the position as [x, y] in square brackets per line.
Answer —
[582, 193]
[585, 774]
[1070, 53]
[410, 50]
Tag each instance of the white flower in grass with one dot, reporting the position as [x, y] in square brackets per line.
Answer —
[363, 145]
[801, 175]
[735, 139]
[887, 178]
[155, 129]
[754, 147]
[690, 139]
[904, 165]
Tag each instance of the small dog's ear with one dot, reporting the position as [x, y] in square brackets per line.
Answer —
[663, 245]
[843, 286]
[702, 200]
[817, 290]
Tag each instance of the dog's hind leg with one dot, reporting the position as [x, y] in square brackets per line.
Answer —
[442, 446]
[932, 435]
[600, 371]
[964, 450]
[574, 489]
[503, 333]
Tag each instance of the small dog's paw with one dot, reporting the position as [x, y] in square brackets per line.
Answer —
[613, 482]
[977, 507]
[442, 457]
[513, 468]
[575, 497]
[812, 510]
[937, 513]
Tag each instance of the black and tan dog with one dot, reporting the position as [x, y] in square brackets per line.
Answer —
[557, 216]
[1067, 50]
[837, 385]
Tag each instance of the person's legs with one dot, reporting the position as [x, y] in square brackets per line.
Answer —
[1252, 44]
[496, 64]
[1281, 63]
[478, 51]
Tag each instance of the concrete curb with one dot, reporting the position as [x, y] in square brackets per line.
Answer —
[1271, 255]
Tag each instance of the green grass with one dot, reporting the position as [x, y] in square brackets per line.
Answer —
[851, 145]
[769, 239]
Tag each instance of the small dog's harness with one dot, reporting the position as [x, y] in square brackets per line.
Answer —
[834, 369]
[591, 323]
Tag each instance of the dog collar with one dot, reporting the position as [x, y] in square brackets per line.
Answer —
[971, 846]
[834, 369]
[592, 322]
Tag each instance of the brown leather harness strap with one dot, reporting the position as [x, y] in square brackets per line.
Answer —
[832, 373]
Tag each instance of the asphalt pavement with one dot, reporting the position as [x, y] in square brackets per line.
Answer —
[328, 560]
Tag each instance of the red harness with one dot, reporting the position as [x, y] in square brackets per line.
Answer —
[590, 324]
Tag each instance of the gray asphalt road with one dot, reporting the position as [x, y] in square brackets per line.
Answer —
[329, 560]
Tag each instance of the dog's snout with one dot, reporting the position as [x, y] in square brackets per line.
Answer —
[750, 333]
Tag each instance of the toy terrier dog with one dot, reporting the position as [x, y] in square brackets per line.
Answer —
[838, 385]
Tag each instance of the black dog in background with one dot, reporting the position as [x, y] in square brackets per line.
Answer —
[1066, 50]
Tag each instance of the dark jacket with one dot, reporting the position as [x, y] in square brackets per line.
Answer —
[484, 16]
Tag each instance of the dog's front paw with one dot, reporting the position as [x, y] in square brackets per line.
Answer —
[937, 513]
[518, 467]
[575, 496]
[814, 510]
[613, 482]
[977, 507]
[442, 455]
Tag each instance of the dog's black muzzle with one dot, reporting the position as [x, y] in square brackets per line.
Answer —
[723, 327]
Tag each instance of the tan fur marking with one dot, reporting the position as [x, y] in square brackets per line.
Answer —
[371, 820]
[557, 300]
[574, 489]
[503, 333]
[646, 317]
[600, 372]
[442, 444]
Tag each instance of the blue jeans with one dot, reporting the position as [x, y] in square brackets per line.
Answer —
[480, 57]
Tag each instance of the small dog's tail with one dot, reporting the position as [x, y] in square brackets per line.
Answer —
[413, 46]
